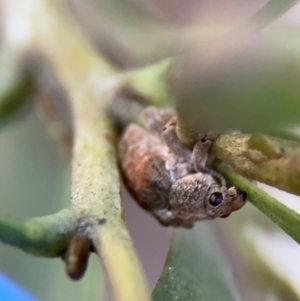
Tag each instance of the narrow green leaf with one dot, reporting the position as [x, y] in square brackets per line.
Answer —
[287, 219]
[195, 269]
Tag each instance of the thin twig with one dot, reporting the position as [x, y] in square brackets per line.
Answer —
[45, 236]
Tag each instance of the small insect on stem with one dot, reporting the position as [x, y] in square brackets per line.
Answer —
[77, 256]
[169, 179]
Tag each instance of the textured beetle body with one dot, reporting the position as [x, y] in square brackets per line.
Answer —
[165, 180]
[144, 160]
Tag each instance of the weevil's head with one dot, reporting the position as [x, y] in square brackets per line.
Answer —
[200, 196]
[221, 202]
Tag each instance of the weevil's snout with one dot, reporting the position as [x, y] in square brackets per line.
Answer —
[242, 194]
[238, 198]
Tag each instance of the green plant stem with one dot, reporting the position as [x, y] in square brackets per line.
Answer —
[285, 218]
[45, 236]
[96, 199]
[269, 160]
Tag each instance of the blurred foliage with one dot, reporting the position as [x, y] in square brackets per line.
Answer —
[249, 84]
[129, 33]
[16, 84]
[271, 11]
[269, 255]
[195, 268]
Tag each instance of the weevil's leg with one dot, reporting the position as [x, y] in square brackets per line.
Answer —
[170, 137]
[166, 218]
[200, 154]
[182, 223]
[152, 119]
[208, 136]
[163, 121]
[167, 114]
[155, 119]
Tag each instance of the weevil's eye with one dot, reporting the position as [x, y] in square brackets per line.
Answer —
[216, 199]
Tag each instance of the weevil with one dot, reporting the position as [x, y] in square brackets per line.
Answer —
[169, 179]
